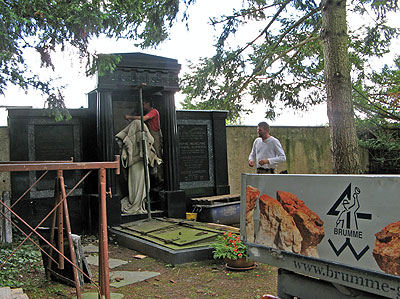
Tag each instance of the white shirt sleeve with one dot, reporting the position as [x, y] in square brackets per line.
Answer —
[252, 155]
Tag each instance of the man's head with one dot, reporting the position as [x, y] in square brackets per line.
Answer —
[263, 130]
[147, 105]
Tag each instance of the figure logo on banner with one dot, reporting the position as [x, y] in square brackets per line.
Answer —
[346, 209]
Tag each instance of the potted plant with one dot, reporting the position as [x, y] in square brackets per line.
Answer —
[229, 247]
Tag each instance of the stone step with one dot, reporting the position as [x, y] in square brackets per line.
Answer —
[8, 293]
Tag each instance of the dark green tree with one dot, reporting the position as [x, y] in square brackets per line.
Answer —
[52, 25]
[303, 55]
[378, 102]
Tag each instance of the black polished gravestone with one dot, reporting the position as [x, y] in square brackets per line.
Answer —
[117, 94]
[203, 166]
[36, 136]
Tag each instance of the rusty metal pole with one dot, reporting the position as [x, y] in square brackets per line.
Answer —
[144, 149]
[71, 244]
[104, 274]
[101, 248]
[60, 215]
[62, 200]
[53, 222]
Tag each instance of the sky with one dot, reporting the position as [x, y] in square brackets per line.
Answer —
[182, 45]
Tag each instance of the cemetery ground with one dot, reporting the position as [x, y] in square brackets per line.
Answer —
[205, 279]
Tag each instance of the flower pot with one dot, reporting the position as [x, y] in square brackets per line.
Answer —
[240, 264]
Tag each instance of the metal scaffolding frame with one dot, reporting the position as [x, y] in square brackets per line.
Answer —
[60, 214]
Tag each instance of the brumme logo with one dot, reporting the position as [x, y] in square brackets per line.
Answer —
[346, 210]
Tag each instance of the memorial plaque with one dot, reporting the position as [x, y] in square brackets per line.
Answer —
[50, 141]
[193, 150]
[196, 160]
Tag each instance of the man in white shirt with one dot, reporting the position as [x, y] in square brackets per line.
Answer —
[267, 151]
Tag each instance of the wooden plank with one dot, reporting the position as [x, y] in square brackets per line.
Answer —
[218, 197]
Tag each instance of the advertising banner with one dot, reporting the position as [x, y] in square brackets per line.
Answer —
[346, 220]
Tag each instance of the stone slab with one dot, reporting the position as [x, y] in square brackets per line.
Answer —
[5, 292]
[90, 249]
[130, 277]
[112, 263]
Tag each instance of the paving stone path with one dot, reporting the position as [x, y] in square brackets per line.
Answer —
[117, 278]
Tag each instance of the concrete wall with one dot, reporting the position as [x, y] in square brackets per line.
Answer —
[307, 150]
[5, 184]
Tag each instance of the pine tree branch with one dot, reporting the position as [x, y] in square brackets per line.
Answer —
[265, 29]
[382, 112]
[254, 75]
[228, 18]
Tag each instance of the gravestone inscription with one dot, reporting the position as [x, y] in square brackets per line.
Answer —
[202, 153]
[196, 153]
[193, 150]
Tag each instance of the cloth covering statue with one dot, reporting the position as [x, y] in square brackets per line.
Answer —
[152, 119]
[130, 143]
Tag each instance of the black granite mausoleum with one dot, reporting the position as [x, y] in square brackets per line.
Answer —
[194, 142]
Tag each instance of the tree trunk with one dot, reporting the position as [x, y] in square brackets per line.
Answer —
[344, 142]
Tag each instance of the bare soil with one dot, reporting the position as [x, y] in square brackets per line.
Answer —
[207, 279]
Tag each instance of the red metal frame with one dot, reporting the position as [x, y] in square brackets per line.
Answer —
[60, 213]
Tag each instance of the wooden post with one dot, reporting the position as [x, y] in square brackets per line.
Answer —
[7, 226]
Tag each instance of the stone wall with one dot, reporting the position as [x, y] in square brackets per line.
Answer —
[5, 184]
[307, 150]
